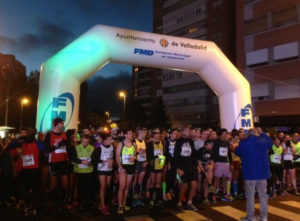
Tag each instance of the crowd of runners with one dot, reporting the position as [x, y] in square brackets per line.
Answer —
[130, 168]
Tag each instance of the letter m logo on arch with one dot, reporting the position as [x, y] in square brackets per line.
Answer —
[245, 117]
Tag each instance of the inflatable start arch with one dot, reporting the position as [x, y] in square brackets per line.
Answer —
[63, 73]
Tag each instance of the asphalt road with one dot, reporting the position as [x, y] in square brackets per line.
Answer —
[282, 208]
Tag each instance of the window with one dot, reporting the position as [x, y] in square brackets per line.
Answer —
[198, 11]
[192, 30]
[184, 87]
[284, 17]
[256, 25]
[216, 6]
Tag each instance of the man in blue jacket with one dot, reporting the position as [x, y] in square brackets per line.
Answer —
[255, 169]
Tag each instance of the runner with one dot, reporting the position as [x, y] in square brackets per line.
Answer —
[105, 159]
[140, 168]
[55, 144]
[30, 173]
[276, 167]
[156, 159]
[186, 164]
[295, 143]
[171, 166]
[206, 163]
[288, 165]
[223, 164]
[125, 157]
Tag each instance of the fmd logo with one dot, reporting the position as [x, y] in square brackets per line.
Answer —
[245, 117]
[61, 106]
[143, 52]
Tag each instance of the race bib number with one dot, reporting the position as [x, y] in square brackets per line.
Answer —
[276, 158]
[223, 151]
[141, 157]
[157, 152]
[186, 150]
[28, 160]
[83, 165]
[207, 156]
[103, 167]
[126, 159]
[171, 150]
[61, 150]
[288, 157]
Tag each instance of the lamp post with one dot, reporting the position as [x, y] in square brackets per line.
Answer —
[24, 101]
[108, 115]
[122, 94]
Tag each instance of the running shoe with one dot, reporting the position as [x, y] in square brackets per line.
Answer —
[139, 202]
[297, 193]
[120, 210]
[104, 211]
[151, 203]
[191, 207]
[230, 197]
[206, 202]
[226, 199]
[180, 209]
[246, 218]
[126, 208]
[259, 218]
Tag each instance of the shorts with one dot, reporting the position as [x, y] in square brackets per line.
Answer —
[190, 174]
[222, 169]
[105, 173]
[296, 164]
[59, 168]
[288, 164]
[139, 167]
[130, 169]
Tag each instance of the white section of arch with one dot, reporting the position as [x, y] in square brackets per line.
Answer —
[75, 63]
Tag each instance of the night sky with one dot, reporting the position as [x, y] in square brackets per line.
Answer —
[33, 30]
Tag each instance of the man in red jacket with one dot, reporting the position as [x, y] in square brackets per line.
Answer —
[56, 146]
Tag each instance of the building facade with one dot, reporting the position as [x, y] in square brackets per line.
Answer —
[187, 98]
[12, 80]
[268, 48]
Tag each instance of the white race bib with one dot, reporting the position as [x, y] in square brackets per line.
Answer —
[157, 152]
[141, 157]
[61, 150]
[288, 156]
[126, 159]
[276, 158]
[223, 151]
[171, 150]
[83, 165]
[186, 150]
[28, 160]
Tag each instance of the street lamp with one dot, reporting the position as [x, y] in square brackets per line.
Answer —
[122, 94]
[24, 101]
[107, 114]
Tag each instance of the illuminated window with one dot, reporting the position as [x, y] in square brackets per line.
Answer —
[284, 17]
[192, 30]
[136, 69]
[256, 25]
